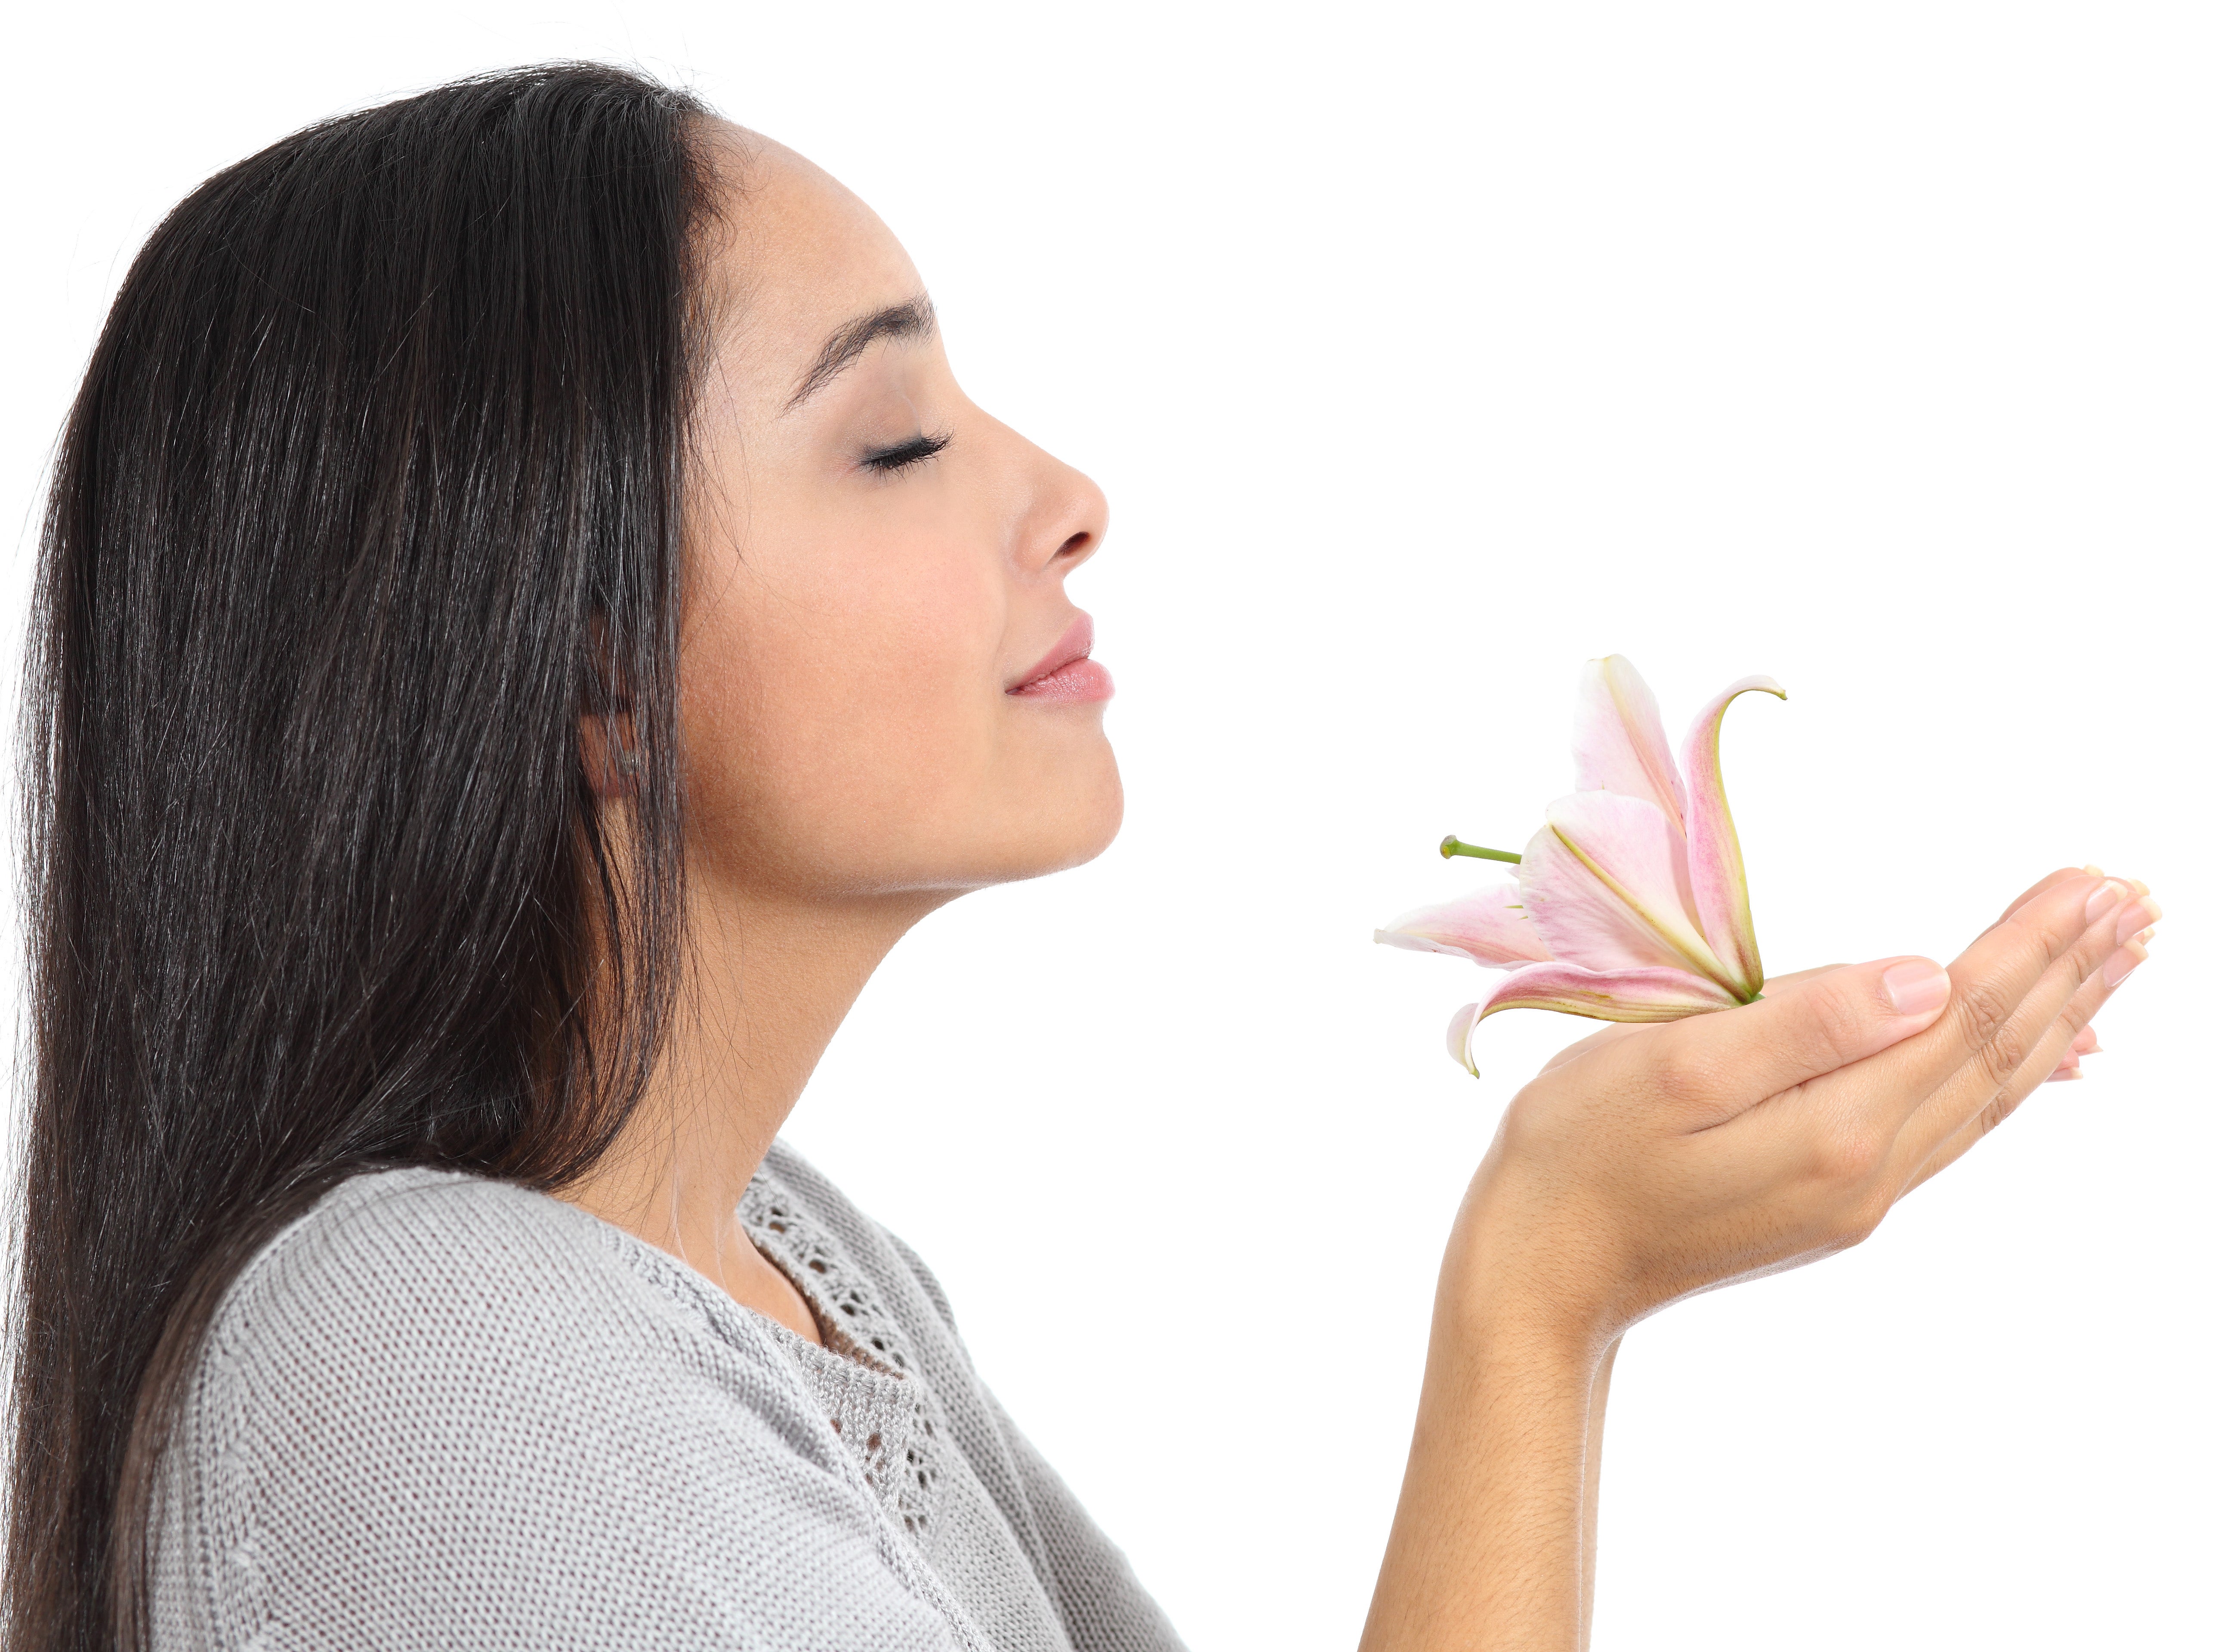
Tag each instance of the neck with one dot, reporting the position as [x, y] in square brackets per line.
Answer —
[769, 980]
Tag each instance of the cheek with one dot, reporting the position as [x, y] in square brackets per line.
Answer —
[845, 718]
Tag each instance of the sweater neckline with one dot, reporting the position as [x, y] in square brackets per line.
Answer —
[854, 1324]
[863, 1376]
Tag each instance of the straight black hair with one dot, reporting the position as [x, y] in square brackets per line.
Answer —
[370, 495]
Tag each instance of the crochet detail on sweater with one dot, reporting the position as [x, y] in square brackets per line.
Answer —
[909, 1484]
[846, 1309]
[882, 1412]
[919, 1474]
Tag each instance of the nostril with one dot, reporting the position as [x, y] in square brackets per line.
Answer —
[1076, 545]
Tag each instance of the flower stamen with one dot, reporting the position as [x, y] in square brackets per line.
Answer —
[1452, 845]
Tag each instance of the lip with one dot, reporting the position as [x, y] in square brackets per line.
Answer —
[1067, 673]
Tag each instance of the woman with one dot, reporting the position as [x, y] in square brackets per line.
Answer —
[528, 621]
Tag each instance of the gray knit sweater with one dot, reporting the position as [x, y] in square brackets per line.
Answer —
[440, 1411]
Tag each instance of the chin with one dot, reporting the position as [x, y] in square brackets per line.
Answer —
[1067, 823]
[1102, 821]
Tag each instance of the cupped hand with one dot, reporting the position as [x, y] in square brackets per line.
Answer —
[1646, 1164]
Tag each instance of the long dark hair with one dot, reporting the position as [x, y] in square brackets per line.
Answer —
[370, 494]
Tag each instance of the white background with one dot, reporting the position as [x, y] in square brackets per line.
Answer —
[1424, 352]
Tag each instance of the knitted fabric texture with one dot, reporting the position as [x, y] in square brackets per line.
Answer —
[440, 1411]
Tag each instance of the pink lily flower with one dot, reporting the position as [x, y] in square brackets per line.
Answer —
[1631, 903]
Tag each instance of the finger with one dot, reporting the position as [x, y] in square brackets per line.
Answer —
[1736, 1058]
[1772, 983]
[2054, 878]
[2090, 999]
[2046, 885]
[2089, 996]
[2027, 1029]
[1612, 1035]
[1976, 1129]
[2004, 996]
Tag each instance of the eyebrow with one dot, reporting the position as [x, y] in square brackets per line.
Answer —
[911, 320]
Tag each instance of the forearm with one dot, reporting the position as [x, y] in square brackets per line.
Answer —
[1488, 1542]
[1590, 1498]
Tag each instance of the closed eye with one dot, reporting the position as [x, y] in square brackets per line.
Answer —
[890, 462]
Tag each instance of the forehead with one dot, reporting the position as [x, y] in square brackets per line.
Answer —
[800, 254]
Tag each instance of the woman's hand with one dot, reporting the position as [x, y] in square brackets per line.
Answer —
[1646, 1164]
[1657, 1162]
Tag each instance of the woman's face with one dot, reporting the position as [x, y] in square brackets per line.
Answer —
[876, 574]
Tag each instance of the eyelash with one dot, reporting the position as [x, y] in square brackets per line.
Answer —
[891, 461]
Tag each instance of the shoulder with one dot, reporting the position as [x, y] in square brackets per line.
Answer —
[425, 1254]
[448, 1396]
[417, 1322]
[402, 1287]
[443, 1303]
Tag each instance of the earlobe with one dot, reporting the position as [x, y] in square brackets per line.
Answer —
[610, 755]
[608, 745]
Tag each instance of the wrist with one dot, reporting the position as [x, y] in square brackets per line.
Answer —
[1523, 1288]
[1515, 1342]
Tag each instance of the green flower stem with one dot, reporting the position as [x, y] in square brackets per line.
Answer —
[1453, 845]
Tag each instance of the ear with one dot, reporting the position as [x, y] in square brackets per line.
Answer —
[608, 745]
[609, 749]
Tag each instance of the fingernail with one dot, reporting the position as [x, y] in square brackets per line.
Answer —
[2106, 895]
[1916, 988]
[2092, 871]
[2136, 917]
[2084, 1043]
[2063, 1075]
[2119, 965]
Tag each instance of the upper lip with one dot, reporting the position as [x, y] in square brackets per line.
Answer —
[1076, 643]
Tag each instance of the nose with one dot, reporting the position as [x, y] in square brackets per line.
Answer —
[1068, 516]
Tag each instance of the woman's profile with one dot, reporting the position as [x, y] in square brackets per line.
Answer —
[528, 620]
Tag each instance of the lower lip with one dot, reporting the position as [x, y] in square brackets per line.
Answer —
[1079, 682]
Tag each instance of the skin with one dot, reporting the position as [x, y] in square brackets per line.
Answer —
[854, 759]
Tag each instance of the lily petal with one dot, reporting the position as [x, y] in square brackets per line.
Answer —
[1459, 1028]
[1605, 881]
[1618, 742]
[1713, 862]
[1489, 927]
[1603, 996]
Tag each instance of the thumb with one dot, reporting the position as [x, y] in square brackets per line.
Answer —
[1807, 1028]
